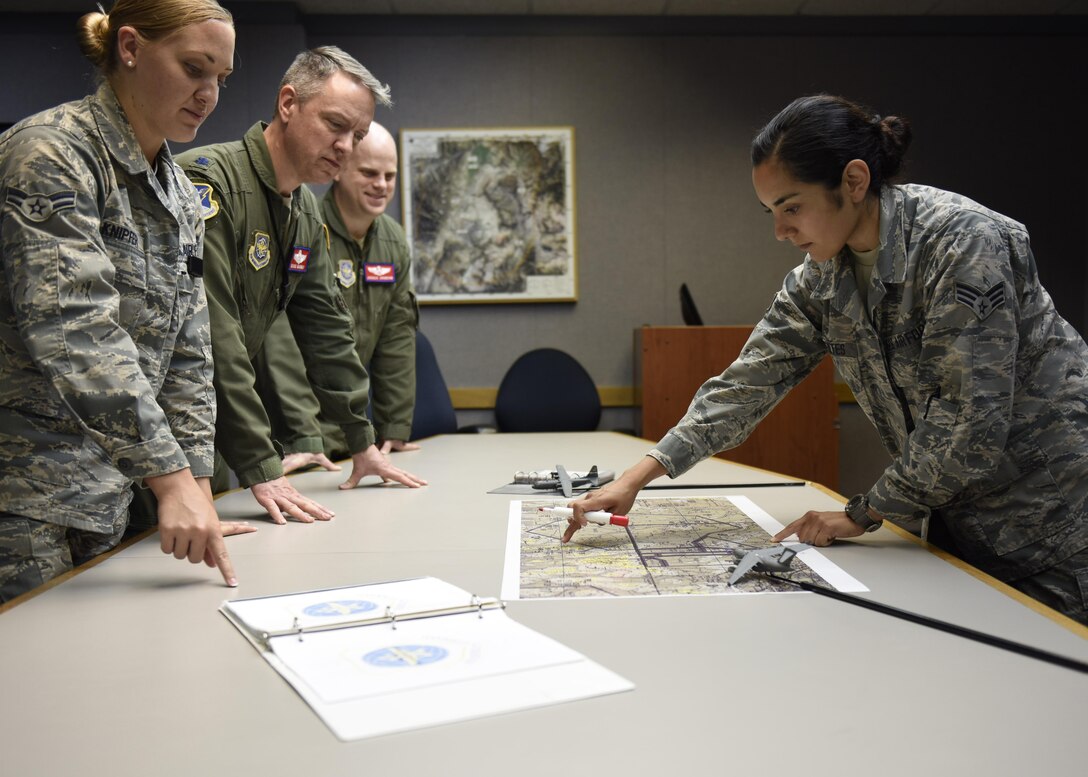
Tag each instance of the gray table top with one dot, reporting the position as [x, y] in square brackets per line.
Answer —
[127, 668]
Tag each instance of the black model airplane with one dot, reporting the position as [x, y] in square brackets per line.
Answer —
[562, 481]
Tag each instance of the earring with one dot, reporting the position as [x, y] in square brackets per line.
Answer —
[130, 63]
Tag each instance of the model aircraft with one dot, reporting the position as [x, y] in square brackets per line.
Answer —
[773, 559]
[561, 479]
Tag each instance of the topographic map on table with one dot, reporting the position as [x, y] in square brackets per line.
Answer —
[489, 214]
[673, 546]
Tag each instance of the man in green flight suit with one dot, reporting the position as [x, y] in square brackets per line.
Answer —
[372, 265]
[266, 252]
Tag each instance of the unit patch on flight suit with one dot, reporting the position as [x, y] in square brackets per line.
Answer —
[39, 207]
[300, 257]
[379, 272]
[208, 206]
[260, 250]
[345, 273]
[982, 302]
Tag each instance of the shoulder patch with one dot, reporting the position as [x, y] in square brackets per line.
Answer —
[983, 303]
[39, 207]
[209, 208]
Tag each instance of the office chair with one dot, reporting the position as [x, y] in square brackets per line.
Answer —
[434, 412]
[547, 390]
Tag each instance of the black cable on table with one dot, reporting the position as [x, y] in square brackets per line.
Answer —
[933, 623]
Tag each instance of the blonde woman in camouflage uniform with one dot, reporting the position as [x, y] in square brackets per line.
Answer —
[105, 359]
[931, 307]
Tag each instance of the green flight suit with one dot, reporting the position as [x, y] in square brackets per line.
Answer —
[374, 276]
[263, 256]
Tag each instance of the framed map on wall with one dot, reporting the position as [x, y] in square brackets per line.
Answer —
[489, 214]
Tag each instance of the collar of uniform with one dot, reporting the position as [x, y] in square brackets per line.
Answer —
[333, 219]
[824, 279]
[891, 267]
[259, 157]
[828, 281]
[118, 134]
[331, 211]
[834, 281]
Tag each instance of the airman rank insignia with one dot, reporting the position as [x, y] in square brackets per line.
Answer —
[345, 273]
[379, 272]
[300, 257]
[209, 208]
[39, 207]
[260, 250]
[982, 302]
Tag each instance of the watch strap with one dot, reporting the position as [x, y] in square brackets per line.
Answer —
[858, 510]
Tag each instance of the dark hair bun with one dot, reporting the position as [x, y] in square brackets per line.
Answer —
[895, 136]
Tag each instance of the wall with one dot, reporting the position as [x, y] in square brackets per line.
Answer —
[663, 123]
[663, 181]
[663, 113]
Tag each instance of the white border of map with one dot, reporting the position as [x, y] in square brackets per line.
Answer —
[689, 550]
[418, 144]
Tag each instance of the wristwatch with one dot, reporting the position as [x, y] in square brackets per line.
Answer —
[858, 510]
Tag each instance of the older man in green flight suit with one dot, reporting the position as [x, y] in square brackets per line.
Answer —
[267, 253]
[373, 270]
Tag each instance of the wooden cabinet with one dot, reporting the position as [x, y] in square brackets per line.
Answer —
[800, 437]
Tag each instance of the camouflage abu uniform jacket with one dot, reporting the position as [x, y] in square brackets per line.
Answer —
[105, 350]
[375, 279]
[975, 383]
[262, 257]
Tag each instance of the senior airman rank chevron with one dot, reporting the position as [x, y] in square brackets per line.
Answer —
[300, 257]
[982, 302]
[39, 207]
[379, 272]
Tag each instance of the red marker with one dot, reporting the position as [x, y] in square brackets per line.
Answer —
[593, 516]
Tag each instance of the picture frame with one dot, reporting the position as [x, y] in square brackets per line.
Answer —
[489, 214]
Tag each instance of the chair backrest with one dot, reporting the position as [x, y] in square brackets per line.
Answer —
[688, 311]
[434, 412]
[547, 390]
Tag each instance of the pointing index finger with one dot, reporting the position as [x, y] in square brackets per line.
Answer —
[218, 552]
[785, 532]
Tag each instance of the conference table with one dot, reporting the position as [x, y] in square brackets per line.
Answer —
[126, 667]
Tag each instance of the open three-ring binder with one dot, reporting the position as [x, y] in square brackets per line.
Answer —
[376, 659]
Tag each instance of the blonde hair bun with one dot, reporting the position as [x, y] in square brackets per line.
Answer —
[93, 34]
